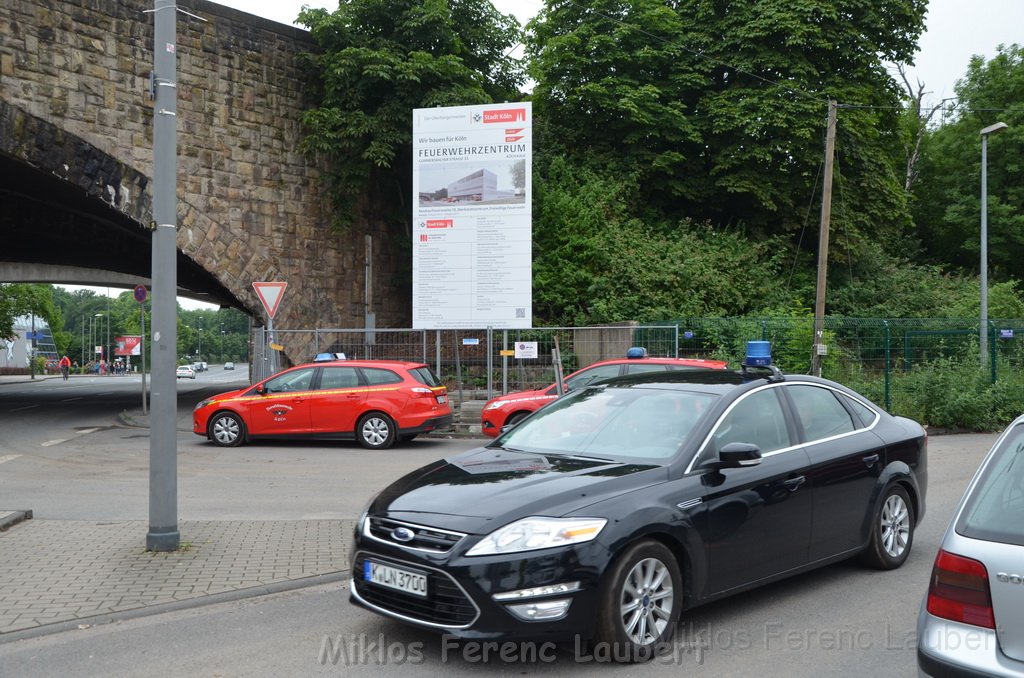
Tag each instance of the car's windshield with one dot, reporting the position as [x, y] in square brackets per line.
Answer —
[612, 423]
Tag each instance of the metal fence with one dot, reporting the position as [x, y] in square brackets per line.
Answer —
[875, 356]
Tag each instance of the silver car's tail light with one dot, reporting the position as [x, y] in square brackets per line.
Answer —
[959, 591]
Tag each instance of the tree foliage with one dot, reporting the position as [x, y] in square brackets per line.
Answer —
[594, 262]
[715, 110]
[18, 300]
[947, 207]
[379, 60]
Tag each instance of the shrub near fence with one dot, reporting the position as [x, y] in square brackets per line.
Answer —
[927, 369]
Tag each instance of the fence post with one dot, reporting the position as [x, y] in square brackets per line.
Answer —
[676, 342]
[888, 366]
[992, 349]
[504, 363]
[437, 340]
[490, 362]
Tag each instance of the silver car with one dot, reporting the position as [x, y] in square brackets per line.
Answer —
[972, 620]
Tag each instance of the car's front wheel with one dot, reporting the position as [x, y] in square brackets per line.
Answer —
[376, 431]
[892, 533]
[641, 598]
[516, 418]
[227, 429]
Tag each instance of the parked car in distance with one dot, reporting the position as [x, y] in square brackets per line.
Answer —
[972, 619]
[376, 402]
[510, 409]
[229, 365]
[611, 510]
[185, 372]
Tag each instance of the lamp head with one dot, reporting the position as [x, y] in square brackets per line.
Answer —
[994, 128]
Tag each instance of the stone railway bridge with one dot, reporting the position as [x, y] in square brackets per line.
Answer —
[76, 156]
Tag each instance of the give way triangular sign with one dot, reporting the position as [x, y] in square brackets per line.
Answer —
[270, 294]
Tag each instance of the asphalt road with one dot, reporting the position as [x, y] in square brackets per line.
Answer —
[839, 621]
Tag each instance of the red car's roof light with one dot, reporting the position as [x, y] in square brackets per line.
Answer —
[636, 352]
[959, 591]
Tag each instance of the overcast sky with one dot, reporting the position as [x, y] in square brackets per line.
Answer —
[955, 30]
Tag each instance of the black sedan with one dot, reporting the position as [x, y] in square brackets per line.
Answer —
[605, 514]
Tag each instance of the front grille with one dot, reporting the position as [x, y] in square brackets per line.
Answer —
[445, 605]
[424, 538]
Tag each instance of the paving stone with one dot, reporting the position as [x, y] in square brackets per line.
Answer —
[58, 570]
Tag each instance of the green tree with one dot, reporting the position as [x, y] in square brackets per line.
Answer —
[715, 110]
[596, 263]
[379, 60]
[947, 206]
[17, 300]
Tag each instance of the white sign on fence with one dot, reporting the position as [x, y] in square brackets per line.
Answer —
[472, 230]
[526, 349]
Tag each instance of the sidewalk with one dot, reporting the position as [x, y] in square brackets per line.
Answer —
[63, 574]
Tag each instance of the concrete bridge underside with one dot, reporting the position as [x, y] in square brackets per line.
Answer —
[54, 232]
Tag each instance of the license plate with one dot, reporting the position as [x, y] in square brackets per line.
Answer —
[441, 400]
[395, 578]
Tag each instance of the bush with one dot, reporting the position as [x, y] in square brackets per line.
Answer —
[950, 394]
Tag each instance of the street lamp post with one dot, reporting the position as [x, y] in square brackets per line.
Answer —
[99, 333]
[995, 128]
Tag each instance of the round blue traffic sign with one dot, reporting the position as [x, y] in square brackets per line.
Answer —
[140, 293]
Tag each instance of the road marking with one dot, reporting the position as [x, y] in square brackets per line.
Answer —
[84, 431]
[9, 457]
[26, 407]
[68, 400]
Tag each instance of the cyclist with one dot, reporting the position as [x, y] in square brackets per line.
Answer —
[65, 367]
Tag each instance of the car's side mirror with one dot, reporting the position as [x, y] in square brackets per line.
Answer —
[737, 455]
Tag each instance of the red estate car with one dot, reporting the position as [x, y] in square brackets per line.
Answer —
[514, 407]
[373, 401]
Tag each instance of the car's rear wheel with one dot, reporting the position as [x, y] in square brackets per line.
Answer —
[892, 533]
[376, 431]
[641, 598]
[227, 429]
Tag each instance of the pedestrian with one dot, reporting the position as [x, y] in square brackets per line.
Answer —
[65, 367]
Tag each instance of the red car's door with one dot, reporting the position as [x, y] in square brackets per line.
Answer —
[337, 402]
[283, 408]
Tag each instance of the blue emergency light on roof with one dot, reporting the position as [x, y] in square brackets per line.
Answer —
[759, 353]
[636, 352]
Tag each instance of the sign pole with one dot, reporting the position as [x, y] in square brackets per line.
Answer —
[163, 532]
[270, 294]
[140, 296]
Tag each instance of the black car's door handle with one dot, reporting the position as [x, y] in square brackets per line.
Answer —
[794, 483]
[870, 460]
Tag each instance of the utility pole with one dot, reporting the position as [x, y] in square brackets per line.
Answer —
[163, 532]
[820, 348]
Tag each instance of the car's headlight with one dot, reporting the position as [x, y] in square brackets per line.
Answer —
[203, 403]
[493, 405]
[364, 514]
[533, 533]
